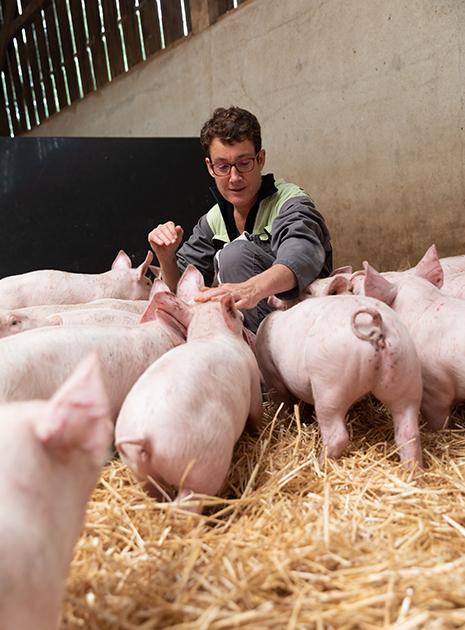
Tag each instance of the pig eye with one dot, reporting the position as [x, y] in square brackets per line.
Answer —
[14, 322]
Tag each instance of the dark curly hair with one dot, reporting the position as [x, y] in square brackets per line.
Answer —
[231, 125]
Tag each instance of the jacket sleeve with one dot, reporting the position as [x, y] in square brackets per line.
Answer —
[199, 250]
[300, 240]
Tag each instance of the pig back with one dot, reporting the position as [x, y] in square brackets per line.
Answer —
[189, 409]
[35, 363]
[51, 286]
[315, 342]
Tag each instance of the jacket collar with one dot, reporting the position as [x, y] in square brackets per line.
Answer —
[267, 189]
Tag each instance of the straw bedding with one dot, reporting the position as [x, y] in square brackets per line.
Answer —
[357, 543]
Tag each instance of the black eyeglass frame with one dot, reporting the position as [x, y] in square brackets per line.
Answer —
[231, 164]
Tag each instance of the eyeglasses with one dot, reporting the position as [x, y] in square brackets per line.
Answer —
[244, 165]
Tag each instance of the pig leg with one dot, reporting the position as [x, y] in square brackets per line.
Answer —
[436, 403]
[274, 383]
[154, 491]
[256, 404]
[435, 413]
[331, 420]
[406, 433]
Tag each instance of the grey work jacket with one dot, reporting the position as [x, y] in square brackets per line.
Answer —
[284, 218]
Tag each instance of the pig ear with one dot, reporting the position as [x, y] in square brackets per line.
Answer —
[346, 269]
[190, 284]
[142, 268]
[356, 281]
[376, 286]
[122, 261]
[276, 303]
[78, 416]
[175, 329]
[430, 267]
[156, 271]
[168, 303]
[250, 338]
[158, 286]
[338, 285]
[231, 314]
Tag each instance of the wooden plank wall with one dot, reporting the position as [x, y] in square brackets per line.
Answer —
[53, 52]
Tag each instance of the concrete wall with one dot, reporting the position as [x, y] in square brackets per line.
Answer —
[361, 102]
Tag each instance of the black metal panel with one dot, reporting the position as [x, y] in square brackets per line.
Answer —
[72, 203]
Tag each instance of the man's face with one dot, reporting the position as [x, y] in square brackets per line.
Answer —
[238, 188]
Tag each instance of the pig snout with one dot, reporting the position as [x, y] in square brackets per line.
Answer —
[367, 324]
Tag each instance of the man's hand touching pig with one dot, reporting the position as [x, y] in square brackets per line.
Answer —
[248, 294]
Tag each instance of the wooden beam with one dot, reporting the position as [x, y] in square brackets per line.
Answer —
[97, 48]
[12, 67]
[150, 27]
[64, 30]
[34, 65]
[200, 17]
[27, 93]
[131, 32]
[217, 8]
[172, 21]
[47, 68]
[8, 13]
[10, 97]
[29, 14]
[204, 13]
[11, 26]
[54, 48]
[115, 52]
[81, 46]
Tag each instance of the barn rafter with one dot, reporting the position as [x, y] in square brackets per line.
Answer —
[54, 52]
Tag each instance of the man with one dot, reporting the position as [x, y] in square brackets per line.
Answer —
[262, 237]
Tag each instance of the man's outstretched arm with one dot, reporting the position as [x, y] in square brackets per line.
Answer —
[276, 279]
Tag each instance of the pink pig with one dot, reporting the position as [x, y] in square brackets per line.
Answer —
[453, 264]
[454, 285]
[338, 282]
[98, 316]
[449, 271]
[332, 351]
[13, 322]
[34, 363]
[52, 455]
[182, 418]
[436, 323]
[450, 277]
[44, 310]
[50, 286]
